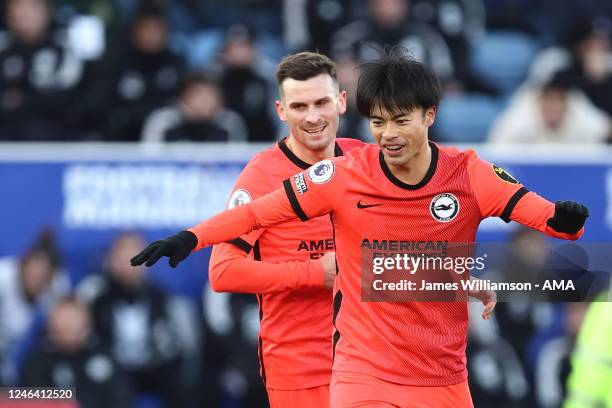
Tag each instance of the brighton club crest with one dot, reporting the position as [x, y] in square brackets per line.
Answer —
[444, 207]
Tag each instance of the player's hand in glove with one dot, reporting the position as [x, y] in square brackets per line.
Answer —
[569, 217]
[176, 247]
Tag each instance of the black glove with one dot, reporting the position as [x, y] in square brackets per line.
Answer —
[176, 247]
[569, 217]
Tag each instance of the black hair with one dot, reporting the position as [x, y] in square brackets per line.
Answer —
[44, 245]
[560, 81]
[397, 83]
[196, 78]
[584, 27]
[150, 8]
[239, 32]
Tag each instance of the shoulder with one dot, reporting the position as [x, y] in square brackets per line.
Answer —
[359, 159]
[361, 149]
[262, 161]
[457, 161]
[347, 144]
[482, 170]
[452, 153]
[259, 175]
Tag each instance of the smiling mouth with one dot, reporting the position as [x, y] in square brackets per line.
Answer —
[393, 148]
[315, 130]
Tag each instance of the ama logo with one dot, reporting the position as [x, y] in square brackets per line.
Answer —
[444, 207]
[321, 172]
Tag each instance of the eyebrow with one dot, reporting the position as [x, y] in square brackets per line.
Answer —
[399, 115]
[297, 103]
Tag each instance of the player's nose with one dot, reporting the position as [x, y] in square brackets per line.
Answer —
[389, 132]
[313, 114]
[313, 117]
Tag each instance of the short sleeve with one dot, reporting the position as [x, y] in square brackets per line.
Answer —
[318, 190]
[497, 191]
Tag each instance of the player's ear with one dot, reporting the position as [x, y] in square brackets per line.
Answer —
[280, 110]
[430, 116]
[342, 102]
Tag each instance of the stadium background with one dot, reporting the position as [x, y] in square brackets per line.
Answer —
[100, 137]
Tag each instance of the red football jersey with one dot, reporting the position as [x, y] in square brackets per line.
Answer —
[295, 311]
[414, 343]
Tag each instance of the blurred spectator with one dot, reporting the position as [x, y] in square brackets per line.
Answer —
[552, 365]
[592, 60]
[497, 377]
[146, 74]
[233, 320]
[553, 113]
[388, 23]
[563, 19]
[28, 288]
[323, 19]
[511, 15]
[352, 124]
[246, 90]
[264, 15]
[71, 356]
[590, 380]
[115, 14]
[199, 115]
[497, 348]
[519, 319]
[144, 328]
[460, 22]
[39, 75]
[585, 56]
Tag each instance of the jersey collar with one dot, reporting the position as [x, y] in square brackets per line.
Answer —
[430, 171]
[299, 162]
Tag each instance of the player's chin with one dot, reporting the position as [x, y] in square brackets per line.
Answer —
[319, 140]
[395, 159]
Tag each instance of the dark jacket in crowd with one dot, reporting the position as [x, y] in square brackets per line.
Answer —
[38, 83]
[141, 82]
[247, 93]
[99, 382]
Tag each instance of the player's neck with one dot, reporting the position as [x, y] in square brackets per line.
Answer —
[415, 170]
[308, 155]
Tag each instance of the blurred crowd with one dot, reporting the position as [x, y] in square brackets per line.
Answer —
[124, 340]
[203, 71]
[184, 70]
[120, 338]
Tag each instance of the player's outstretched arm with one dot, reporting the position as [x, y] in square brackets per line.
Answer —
[177, 248]
[499, 194]
[231, 270]
[298, 198]
[563, 220]
[263, 212]
[569, 217]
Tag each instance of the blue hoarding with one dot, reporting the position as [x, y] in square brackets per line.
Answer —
[88, 194]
